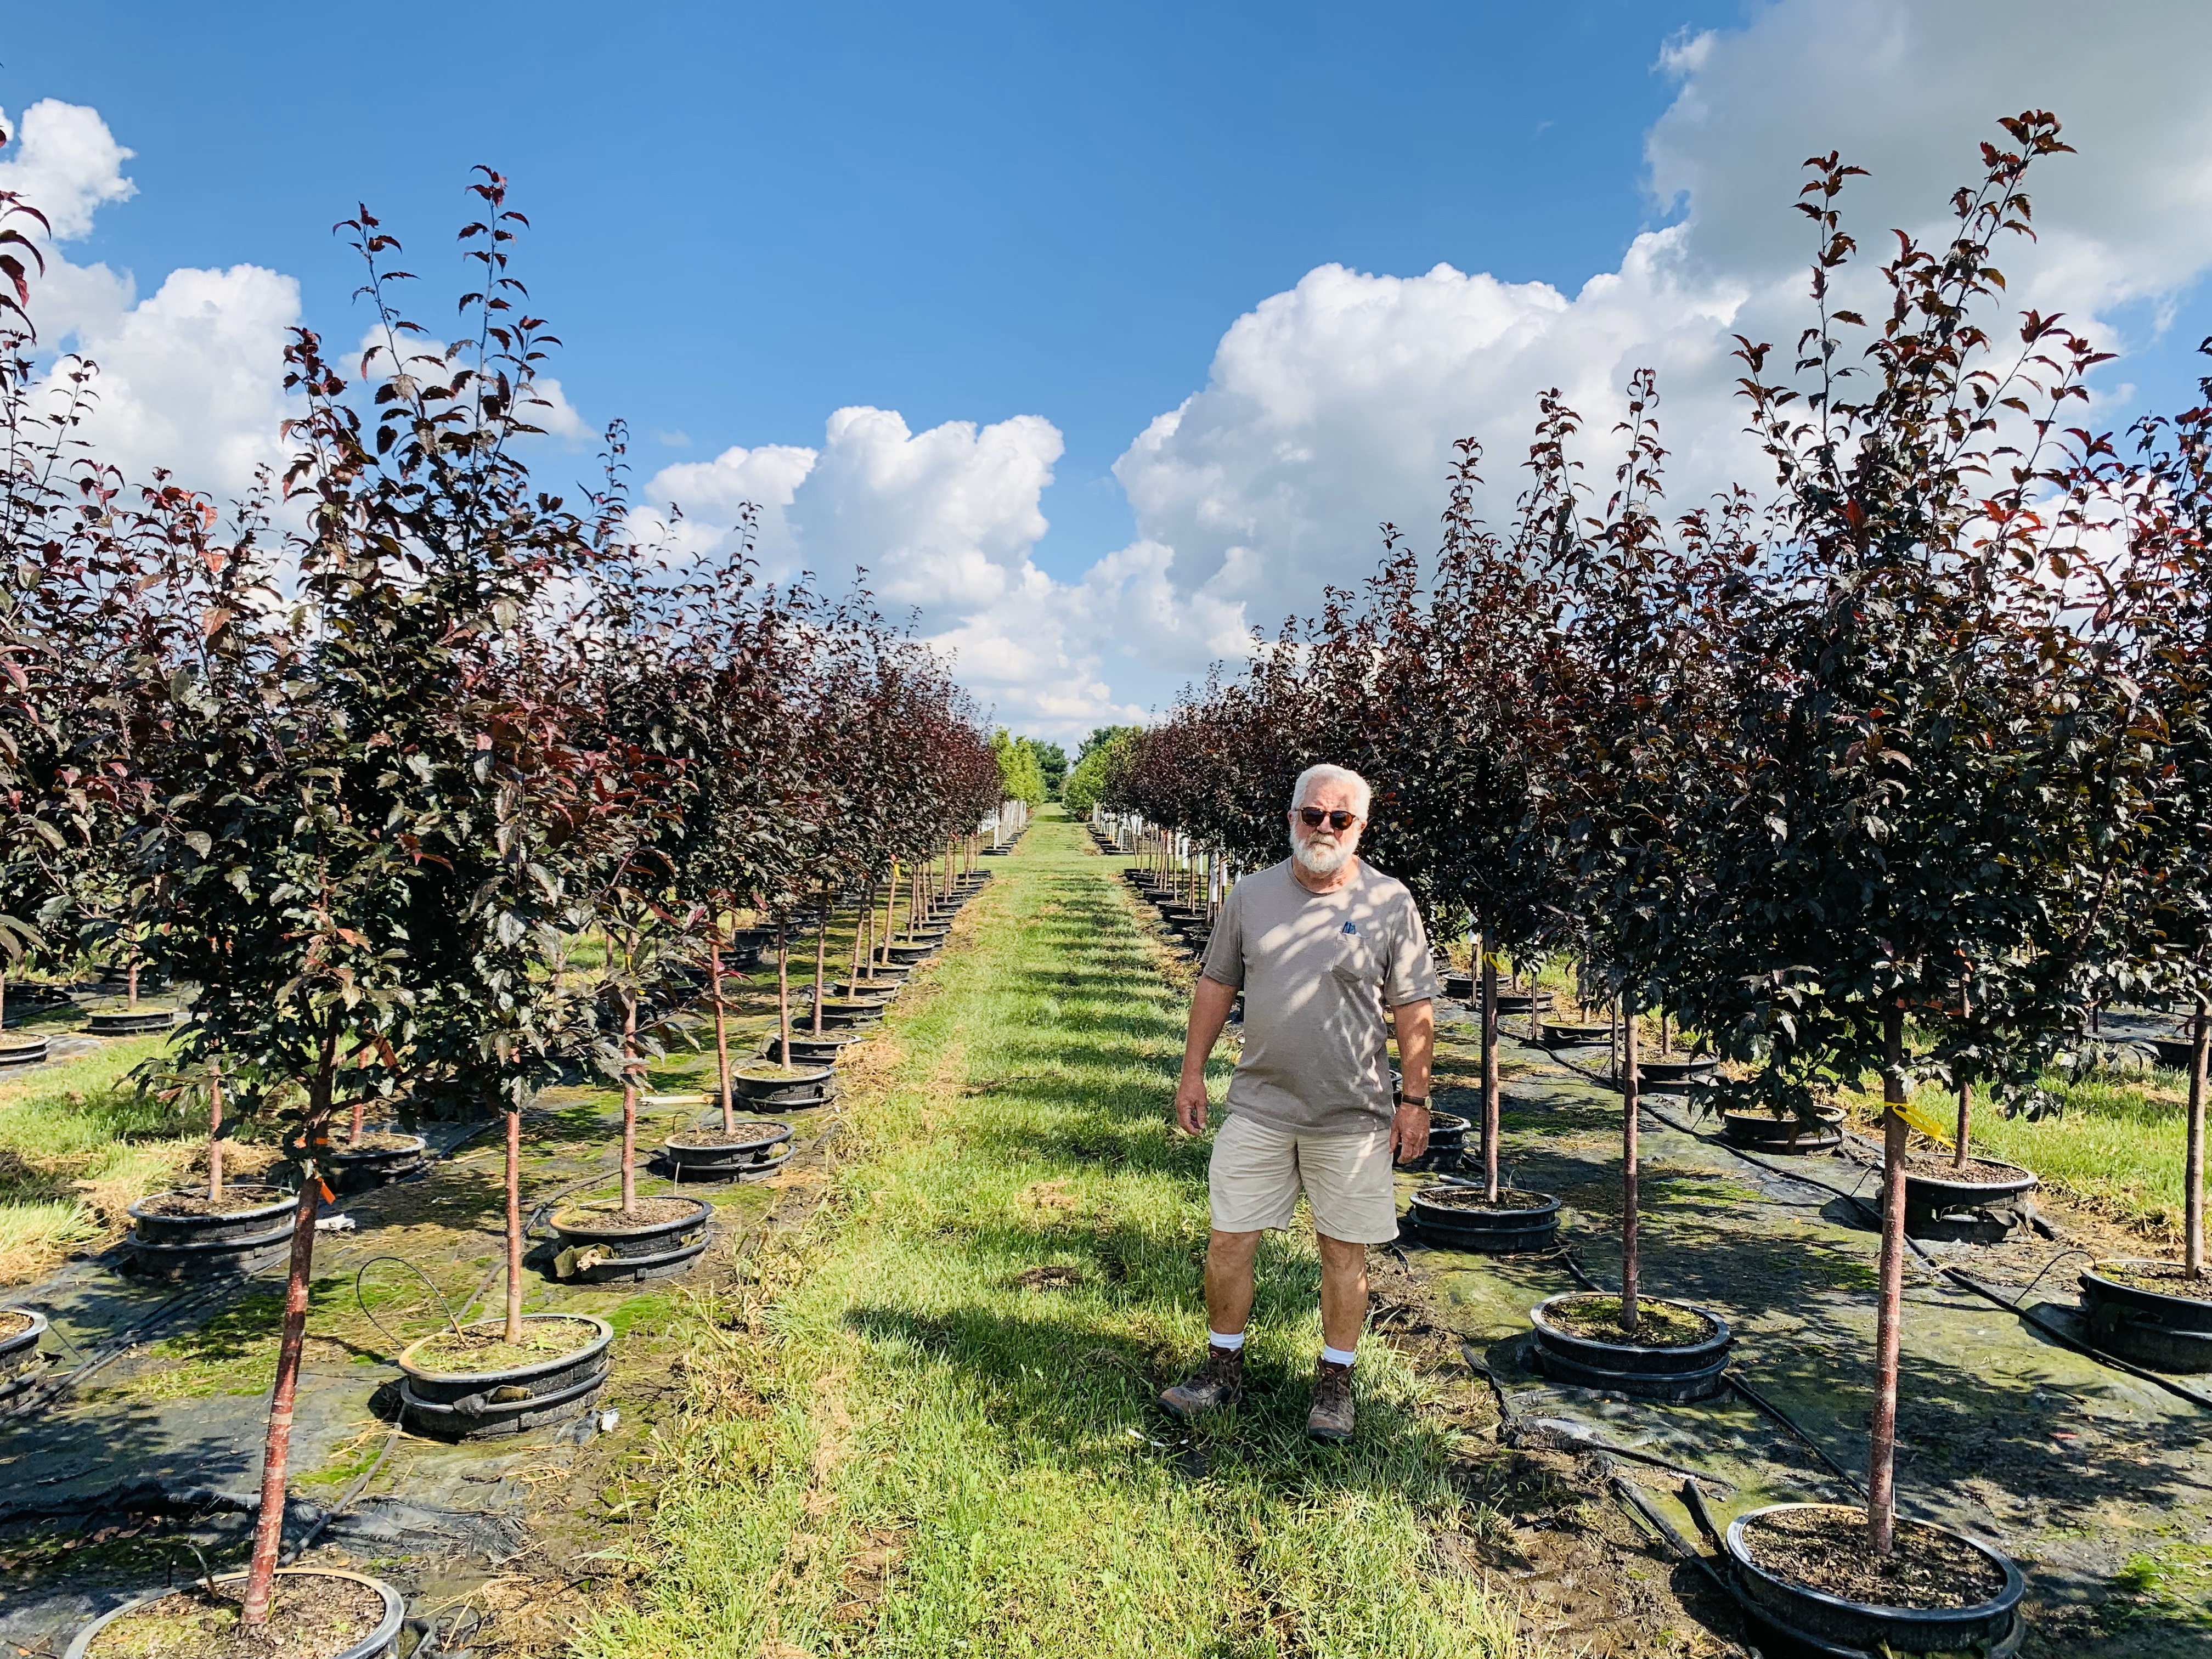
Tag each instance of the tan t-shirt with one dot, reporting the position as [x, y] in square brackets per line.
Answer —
[1317, 970]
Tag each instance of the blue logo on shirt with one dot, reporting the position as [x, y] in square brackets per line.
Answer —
[1351, 927]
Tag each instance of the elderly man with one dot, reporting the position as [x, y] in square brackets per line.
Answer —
[1319, 944]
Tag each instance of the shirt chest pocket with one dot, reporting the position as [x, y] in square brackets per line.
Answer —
[1357, 962]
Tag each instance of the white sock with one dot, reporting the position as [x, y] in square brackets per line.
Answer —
[1231, 1343]
[1336, 1356]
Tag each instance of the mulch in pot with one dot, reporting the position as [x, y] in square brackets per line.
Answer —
[244, 1201]
[1977, 1172]
[641, 1217]
[14, 1322]
[710, 1138]
[1597, 1318]
[1471, 1198]
[1825, 1549]
[767, 1071]
[483, 1348]
[310, 1617]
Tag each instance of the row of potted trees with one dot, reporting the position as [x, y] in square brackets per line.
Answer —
[1895, 764]
[378, 752]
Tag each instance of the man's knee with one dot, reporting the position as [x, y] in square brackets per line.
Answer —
[1231, 1250]
[1340, 1256]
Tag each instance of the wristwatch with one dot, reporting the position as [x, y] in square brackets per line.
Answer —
[1421, 1101]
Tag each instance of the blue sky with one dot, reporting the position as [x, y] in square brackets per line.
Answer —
[747, 218]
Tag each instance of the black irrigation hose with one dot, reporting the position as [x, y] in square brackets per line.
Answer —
[1735, 1380]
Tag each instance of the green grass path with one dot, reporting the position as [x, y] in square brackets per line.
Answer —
[895, 1441]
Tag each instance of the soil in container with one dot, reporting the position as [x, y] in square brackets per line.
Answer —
[311, 1615]
[1658, 1324]
[239, 1200]
[770, 1072]
[644, 1216]
[1819, 1548]
[1975, 1172]
[1471, 1198]
[703, 1141]
[14, 1322]
[484, 1348]
[379, 1143]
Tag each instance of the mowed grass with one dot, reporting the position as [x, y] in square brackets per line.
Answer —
[78, 1142]
[904, 1440]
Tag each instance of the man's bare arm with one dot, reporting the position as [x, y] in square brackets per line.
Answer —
[1416, 1025]
[1210, 1002]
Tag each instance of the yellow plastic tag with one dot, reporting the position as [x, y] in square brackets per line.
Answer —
[1920, 1121]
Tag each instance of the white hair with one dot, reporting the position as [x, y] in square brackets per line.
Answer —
[1328, 773]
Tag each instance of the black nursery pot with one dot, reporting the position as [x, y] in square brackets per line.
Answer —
[1574, 1036]
[846, 1014]
[484, 1405]
[1673, 1076]
[1522, 1002]
[609, 1253]
[379, 1642]
[19, 1349]
[2165, 1333]
[1758, 1132]
[137, 1023]
[28, 1051]
[765, 1149]
[192, 1247]
[1690, 1372]
[811, 1048]
[363, 1169]
[908, 953]
[1968, 1212]
[1467, 1224]
[811, 1086]
[1812, 1618]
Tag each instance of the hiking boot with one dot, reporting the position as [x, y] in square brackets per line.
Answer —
[1331, 1416]
[1219, 1382]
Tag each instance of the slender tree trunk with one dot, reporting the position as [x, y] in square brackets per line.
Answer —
[1664, 1037]
[514, 1222]
[629, 1101]
[782, 994]
[820, 962]
[867, 914]
[214, 1136]
[354, 1120]
[131, 982]
[1631, 1262]
[1966, 1096]
[1490, 1102]
[1881, 1449]
[721, 1035]
[3, 1001]
[276, 1448]
[2192, 1177]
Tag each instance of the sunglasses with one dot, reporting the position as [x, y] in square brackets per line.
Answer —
[1313, 817]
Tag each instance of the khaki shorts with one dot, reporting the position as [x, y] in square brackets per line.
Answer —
[1257, 1172]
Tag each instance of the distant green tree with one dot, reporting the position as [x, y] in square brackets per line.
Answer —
[1086, 780]
[1019, 776]
[1052, 761]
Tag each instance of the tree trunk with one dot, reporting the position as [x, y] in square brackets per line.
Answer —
[721, 1035]
[629, 1101]
[214, 1136]
[2192, 1178]
[130, 982]
[1881, 1449]
[1489, 1104]
[861, 925]
[1966, 1093]
[782, 994]
[353, 1121]
[821, 960]
[1631, 1263]
[276, 1451]
[514, 1223]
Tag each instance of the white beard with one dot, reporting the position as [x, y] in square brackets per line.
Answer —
[1319, 858]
